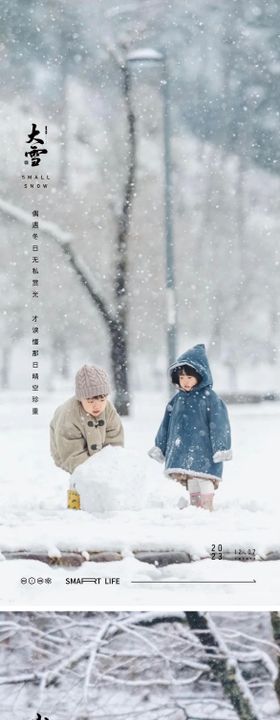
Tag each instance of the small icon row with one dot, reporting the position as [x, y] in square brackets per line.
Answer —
[36, 581]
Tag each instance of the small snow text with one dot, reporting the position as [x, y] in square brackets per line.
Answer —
[35, 181]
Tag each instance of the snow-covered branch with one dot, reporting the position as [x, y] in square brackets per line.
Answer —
[117, 665]
[225, 669]
[65, 242]
[23, 217]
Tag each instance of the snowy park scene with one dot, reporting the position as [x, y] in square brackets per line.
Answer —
[140, 317]
[132, 508]
[151, 665]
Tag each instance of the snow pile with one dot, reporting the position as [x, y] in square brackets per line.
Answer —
[121, 479]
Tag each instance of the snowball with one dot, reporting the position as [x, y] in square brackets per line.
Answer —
[121, 479]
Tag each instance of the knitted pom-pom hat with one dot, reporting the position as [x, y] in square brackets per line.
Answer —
[91, 381]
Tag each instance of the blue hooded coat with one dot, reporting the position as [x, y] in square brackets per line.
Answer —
[194, 436]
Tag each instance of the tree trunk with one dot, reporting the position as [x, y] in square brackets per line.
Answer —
[273, 354]
[64, 123]
[5, 369]
[65, 365]
[119, 360]
[119, 328]
[224, 666]
[117, 334]
[275, 622]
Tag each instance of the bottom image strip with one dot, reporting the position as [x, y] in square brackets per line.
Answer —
[146, 665]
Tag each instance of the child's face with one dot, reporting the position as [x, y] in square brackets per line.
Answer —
[95, 405]
[187, 382]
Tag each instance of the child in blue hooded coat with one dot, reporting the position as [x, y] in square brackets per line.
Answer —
[194, 437]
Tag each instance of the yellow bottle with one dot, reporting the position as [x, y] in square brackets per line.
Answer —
[73, 499]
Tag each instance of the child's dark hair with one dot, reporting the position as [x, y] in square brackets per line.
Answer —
[184, 370]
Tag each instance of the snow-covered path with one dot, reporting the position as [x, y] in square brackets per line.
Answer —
[33, 517]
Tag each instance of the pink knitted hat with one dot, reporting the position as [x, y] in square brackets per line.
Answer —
[91, 381]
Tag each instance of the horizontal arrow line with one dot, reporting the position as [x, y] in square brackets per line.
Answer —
[193, 582]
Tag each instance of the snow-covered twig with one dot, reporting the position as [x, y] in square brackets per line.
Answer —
[99, 637]
[19, 679]
[153, 682]
[188, 662]
[259, 657]
[228, 634]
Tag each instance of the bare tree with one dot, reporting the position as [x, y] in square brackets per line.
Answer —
[116, 321]
[129, 664]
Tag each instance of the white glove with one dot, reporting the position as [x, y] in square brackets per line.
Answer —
[222, 455]
[156, 454]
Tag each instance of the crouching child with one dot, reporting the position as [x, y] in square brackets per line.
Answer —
[86, 423]
[194, 437]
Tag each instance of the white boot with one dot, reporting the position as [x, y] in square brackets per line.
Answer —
[195, 499]
[207, 502]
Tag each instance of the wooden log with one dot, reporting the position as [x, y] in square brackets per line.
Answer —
[104, 556]
[69, 559]
[160, 559]
[273, 555]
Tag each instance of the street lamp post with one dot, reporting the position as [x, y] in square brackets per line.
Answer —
[150, 55]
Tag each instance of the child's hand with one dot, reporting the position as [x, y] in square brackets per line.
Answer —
[156, 454]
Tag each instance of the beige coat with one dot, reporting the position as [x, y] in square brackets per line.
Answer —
[75, 434]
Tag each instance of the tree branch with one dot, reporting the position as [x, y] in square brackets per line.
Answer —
[226, 668]
[64, 240]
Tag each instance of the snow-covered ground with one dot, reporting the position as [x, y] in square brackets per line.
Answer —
[138, 510]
